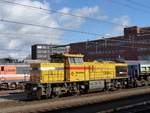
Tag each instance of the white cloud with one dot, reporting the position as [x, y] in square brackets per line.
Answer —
[86, 11]
[75, 22]
[103, 17]
[21, 37]
[13, 44]
[24, 14]
[117, 28]
[122, 22]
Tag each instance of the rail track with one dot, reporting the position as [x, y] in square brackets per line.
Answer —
[122, 105]
[24, 105]
[143, 107]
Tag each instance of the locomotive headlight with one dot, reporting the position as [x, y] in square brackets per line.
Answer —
[125, 83]
[82, 87]
[34, 88]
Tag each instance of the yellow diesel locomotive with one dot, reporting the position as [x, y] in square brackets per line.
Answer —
[69, 74]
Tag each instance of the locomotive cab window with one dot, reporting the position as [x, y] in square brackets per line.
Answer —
[121, 71]
[143, 68]
[71, 60]
[75, 60]
[2, 68]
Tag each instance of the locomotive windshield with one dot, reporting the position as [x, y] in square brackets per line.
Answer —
[75, 60]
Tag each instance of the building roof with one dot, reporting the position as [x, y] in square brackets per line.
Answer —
[102, 39]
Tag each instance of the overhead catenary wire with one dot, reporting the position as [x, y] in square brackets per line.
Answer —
[105, 39]
[132, 46]
[123, 46]
[15, 22]
[26, 35]
[62, 13]
[108, 39]
[46, 26]
[123, 43]
[50, 27]
[69, 30]
[139, 4]
[129, 6]
[107, 45]
[78, 16]
[69, 14]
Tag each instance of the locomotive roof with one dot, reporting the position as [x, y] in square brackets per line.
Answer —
[13, 64]
[137, 62]
[67, 55]
[74, 55]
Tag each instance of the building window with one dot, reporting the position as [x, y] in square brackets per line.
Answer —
[39, 47]
[44, 47]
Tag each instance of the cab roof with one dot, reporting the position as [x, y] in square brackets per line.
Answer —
[67, 55]
[74, 55]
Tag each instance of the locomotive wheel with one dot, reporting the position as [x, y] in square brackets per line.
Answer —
[146, 83]
[39, 93]
[76, 93]
[55, 94]
[52, 96]
[138, 83]
[6, 86]
[13, 86]
[47, 96]
[21, 86]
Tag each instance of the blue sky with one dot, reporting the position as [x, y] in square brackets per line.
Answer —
[137, 15]
[16, 40]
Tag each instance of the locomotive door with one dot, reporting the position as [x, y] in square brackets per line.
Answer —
[66, 69]
[2, 73]
[74, 69]
[77, 69]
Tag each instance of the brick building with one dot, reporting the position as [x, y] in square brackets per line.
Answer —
[44, 51]
[134, 45]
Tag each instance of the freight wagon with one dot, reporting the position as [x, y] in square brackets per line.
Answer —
[139, 73]
[69, 74]
[13, 76]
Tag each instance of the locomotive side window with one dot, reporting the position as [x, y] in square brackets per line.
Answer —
[2, 68]
[22, 70]
[143, 69]
[148, 68]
